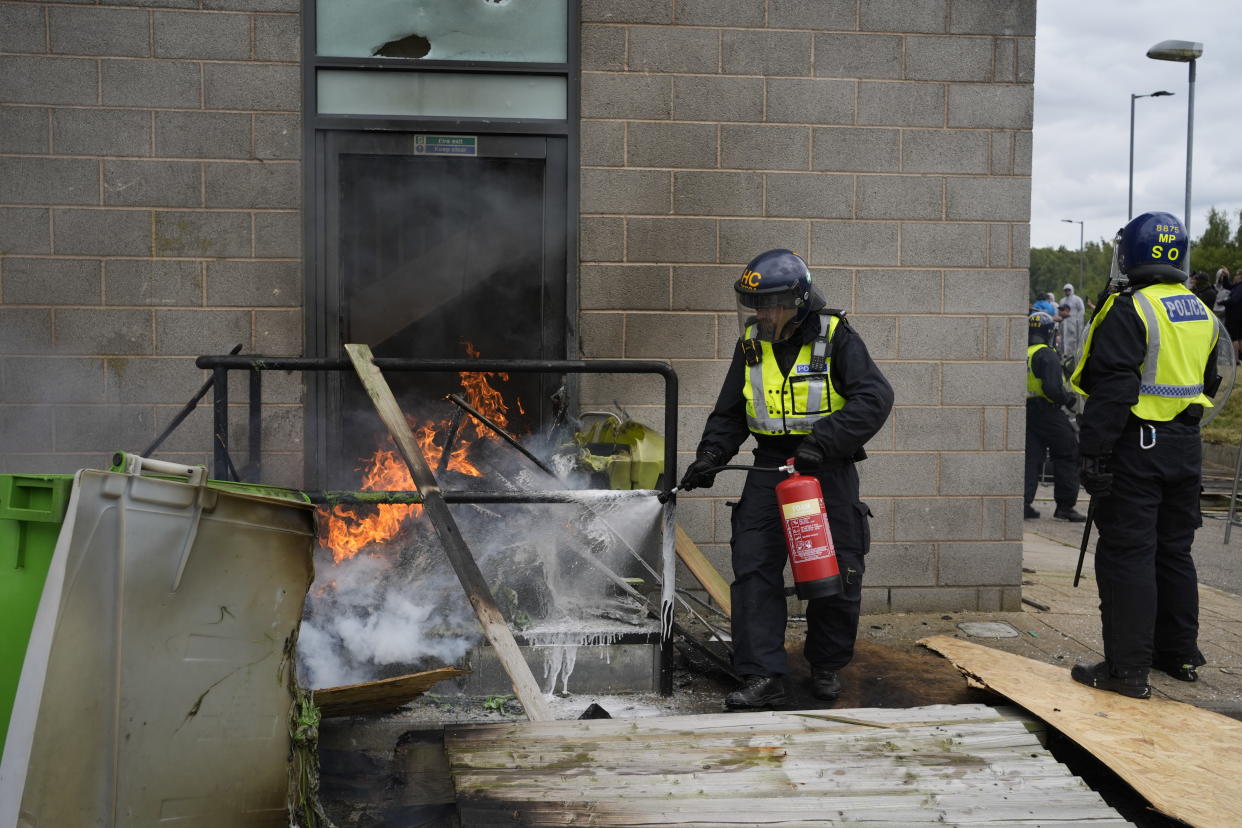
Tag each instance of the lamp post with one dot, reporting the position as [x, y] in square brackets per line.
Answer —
[1081, 265]
[1183, 51]
[1133, 98]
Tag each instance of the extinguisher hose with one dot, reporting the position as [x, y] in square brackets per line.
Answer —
[665, 495]
[715, 469]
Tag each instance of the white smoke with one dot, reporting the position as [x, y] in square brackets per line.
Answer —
[364, 614]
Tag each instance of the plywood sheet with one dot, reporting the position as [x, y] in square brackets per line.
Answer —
[1186, 761]
[380, 696]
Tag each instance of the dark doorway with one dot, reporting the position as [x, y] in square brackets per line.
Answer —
[439, 257]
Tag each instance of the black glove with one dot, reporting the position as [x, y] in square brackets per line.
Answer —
[1096, 476]
[697, 474]
[809, 458]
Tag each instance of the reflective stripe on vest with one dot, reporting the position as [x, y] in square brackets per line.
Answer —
[1181, 337]
[1035, 388]
[766, 413]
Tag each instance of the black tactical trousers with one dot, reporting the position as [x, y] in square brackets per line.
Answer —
[1149, 594]
[1047, 427]
[759, 561]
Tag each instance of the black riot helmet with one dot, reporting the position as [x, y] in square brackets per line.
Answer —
[1152, 249]
[774, 295]
[1039, 329]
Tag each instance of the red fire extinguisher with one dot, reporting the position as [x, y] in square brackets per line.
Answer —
[807, 536]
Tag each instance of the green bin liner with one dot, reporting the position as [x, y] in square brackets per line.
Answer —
[32, 508]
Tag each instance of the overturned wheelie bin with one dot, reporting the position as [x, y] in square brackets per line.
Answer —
[157, 685]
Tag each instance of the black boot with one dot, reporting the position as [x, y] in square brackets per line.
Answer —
[1069, 513]
[825, 684]
[1029, 512]
[1176, 669]
[757, 693]
[1132, 683]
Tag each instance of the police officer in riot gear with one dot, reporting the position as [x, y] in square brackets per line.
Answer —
[1148, 369]
[802, 383]
[1047, 426]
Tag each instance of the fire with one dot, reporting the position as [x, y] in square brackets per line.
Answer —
[484, 398]
[346, 530]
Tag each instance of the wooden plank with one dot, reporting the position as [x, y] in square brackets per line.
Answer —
[740, 724]
[499, 819]
[380, 696]
[495, 628]
[495, 818]
[899, 809]
[808, 780]
[1184, 760]
[703, 571]
[504, 754]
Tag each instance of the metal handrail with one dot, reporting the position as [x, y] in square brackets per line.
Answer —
[222, 464]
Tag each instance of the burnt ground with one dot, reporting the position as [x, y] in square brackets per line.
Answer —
[879, 676]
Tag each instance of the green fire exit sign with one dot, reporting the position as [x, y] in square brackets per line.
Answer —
[446, 145]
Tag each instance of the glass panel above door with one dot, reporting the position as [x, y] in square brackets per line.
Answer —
[440, 94]
[527, 31]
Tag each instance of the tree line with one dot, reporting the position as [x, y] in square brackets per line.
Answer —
[1219, 245]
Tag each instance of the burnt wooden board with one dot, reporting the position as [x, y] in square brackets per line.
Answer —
[1186, 761]
[941, 764]
[380, 696]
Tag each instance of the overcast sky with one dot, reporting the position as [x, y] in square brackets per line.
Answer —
[1090, 56]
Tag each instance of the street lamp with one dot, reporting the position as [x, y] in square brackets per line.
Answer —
[1081, 266]
[1133, 98]
[1183, 51]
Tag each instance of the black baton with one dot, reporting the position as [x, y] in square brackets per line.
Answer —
[1086, 535]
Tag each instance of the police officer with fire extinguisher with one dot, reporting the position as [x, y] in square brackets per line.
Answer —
[802, 383]
[1148, 370]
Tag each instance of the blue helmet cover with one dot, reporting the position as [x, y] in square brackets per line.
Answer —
[1153, 248]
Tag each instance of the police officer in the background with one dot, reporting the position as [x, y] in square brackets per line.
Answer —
[1047, 426]
[801, 381]
[1148, 369]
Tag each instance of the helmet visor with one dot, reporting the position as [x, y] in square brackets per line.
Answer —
[768, 320]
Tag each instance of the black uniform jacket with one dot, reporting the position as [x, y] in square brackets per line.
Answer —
[1112, 375]
[841, 435]
[1047, 369]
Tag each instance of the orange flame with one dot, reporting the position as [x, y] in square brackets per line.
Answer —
[346, 530]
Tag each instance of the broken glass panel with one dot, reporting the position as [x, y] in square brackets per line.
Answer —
[494, 30]
[451, 94]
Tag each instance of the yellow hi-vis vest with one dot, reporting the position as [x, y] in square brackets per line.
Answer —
[791, 404]
[1181, 337]
[1035, 388]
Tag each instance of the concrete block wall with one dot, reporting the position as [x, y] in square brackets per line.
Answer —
[888, 141]
[150, 197]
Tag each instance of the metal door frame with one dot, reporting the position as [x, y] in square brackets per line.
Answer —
[326, 310]
[319, 249]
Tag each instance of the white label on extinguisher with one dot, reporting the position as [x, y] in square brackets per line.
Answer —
[806, 530]
[801, 508]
